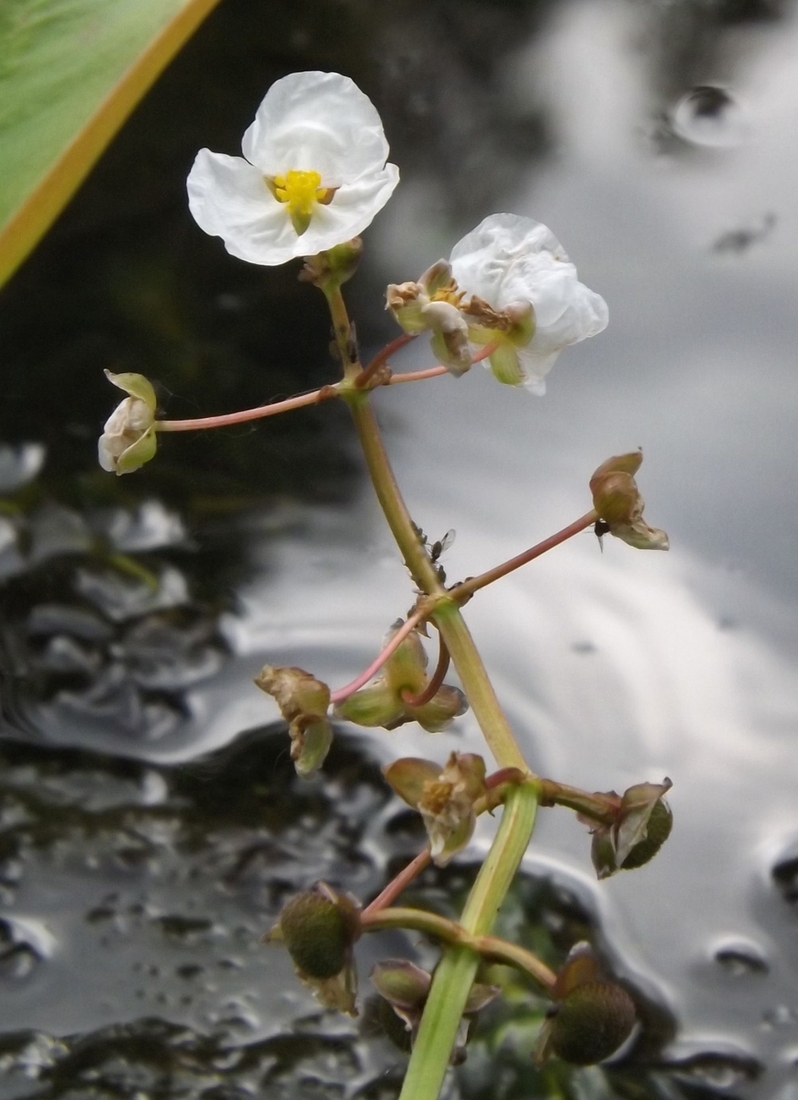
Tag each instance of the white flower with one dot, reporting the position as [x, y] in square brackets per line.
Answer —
[129, 437]
[314, 175]
[509, 263]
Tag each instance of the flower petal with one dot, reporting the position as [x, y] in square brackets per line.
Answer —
[320, 122]
[509, 259]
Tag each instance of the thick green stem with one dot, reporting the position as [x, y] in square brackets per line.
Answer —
[455, 973]
[457, 969]
[474, 678]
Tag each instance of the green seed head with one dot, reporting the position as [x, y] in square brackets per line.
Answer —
[591, 1022]
[658, 830]
[319, 929]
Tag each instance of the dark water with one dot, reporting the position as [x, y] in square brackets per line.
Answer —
[138, 873]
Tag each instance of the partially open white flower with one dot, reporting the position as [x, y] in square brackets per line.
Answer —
[129, 438]
[314, 175]
[509, 263]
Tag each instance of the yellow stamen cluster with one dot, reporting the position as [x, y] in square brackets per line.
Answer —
[300, 191]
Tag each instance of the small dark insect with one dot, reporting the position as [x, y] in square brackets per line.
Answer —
[601, 528]
[440, 545]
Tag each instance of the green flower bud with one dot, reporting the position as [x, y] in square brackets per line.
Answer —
[403, 984]
[129, 437]
[334, 267]
[590, 1023]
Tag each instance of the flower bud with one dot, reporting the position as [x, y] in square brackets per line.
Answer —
[402, 983]
[332, 268]
[619, 505]
[319, 928]
[129, 437]
[405, 987]
[303, 701]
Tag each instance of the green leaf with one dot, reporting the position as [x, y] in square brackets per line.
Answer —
[71, 71]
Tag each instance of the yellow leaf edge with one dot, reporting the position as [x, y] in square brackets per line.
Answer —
[28, 224]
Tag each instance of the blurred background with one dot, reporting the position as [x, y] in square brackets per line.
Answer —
[150, 826]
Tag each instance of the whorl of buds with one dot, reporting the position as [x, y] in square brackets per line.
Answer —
[619, 504]
[590, 1017]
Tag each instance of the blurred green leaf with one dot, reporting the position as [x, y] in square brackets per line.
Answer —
[71, 71]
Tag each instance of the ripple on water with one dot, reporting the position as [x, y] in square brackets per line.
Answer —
[709, 115]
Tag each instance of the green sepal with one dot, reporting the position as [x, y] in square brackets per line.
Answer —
[505, 366]
[137, 386]
[140, 452]
[408, 776]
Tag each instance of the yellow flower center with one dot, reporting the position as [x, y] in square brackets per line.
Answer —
[300, 191]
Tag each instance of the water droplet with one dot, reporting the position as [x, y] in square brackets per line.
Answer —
[785, 873]
[778, 1016]
[739, 957]
[709, 115]
[721, 1069]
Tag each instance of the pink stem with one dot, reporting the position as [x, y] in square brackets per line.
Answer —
[227, 419]
[382, 357]
[398, 884]
[436, 372]
[315, 397]
[375, 666]
[472, 584]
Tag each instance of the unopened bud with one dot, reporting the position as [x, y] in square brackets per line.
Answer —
[383, 702]
[330, 269]
[129, 438]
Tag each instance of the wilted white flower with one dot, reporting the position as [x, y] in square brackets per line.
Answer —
[129, 438]
[314, 176]
[504, 266]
